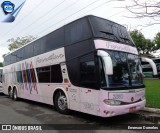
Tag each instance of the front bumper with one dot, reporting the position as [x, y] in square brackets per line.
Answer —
[109, 111]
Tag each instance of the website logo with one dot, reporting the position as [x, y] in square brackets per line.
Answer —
[10, 9]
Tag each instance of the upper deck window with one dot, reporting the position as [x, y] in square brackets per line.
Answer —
[77, 31]
[109, 30]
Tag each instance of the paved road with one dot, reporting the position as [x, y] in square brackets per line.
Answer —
[28, 112]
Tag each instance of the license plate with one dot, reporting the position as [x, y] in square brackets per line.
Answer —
[132, 109]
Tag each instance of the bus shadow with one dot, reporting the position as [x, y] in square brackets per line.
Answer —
[36, 104]
[115, 120]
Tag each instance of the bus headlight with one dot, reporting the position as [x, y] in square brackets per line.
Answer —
[112, 102]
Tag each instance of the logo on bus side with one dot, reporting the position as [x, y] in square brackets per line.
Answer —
[50, 58]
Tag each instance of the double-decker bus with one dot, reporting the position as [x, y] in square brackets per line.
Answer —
[149, 68]
[90, 65]
[157, 62]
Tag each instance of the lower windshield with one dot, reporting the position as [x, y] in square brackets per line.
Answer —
[126, 70]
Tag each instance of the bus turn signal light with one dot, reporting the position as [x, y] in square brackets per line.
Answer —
[66, 81]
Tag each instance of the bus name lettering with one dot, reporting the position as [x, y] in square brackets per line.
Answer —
[50, 58]
[120, 47]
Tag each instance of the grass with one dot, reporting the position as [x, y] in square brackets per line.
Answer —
[153, 93]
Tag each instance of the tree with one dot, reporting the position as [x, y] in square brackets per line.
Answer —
[149, 46]
[144, 45]
[145, 9]
[157, 40]
[138, 39]
[19, 42]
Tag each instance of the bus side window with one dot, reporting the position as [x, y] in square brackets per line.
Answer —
[44, 74]
[88, 76]
[56, 74]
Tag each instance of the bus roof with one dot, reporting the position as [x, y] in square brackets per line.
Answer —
[85, 29]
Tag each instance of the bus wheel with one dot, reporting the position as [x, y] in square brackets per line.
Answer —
[10, 93]
[60, 103]
[15, 94]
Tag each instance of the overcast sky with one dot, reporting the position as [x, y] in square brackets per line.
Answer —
[39, 17]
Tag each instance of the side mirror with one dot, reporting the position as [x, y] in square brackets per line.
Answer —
[107, 62]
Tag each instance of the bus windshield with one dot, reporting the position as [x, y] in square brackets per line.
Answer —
[126, 70]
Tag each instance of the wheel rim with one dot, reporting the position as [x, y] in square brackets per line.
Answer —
[62, 102]
[15, 94]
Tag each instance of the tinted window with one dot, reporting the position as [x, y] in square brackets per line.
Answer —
[20, 54]
[39, 46]
[44, 74]
[50, 74]
[82, 71]
[7, 60]
[28, 51]
[79, 49]
[77, 31]
[73, 71]
[54, 40]
[103, 28]
[88, 72]
[13, 57]
[56, 75]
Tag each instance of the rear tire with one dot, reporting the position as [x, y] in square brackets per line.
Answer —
[15, 97]
[60, 103]
[10, 93]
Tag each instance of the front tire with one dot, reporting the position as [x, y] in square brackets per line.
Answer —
[60, 103]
